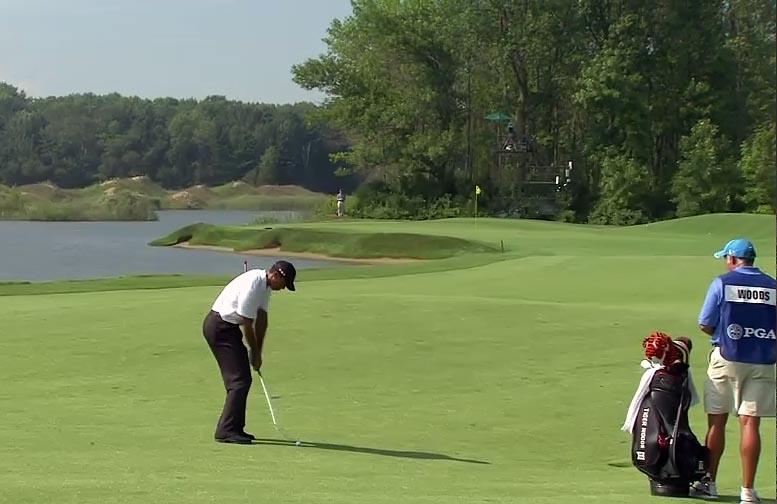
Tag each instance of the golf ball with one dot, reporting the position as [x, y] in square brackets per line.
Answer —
[298, 443]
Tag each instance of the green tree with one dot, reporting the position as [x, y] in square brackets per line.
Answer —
[706, 181]
[269, 168]
[625, 190]
[757, 165]
[12, 100]
[750, 27]
[79, 139]
[391, 72]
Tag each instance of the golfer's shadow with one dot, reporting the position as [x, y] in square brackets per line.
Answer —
[372, 451]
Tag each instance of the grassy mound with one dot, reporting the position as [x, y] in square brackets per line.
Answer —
[751, 226]
[44, 192]
[142, 185]
[134, 199]
[43, 202]
[137, 199]
[242, 196]
[357, 245]
[240, 188]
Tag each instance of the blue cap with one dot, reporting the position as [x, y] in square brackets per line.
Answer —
[739, 248]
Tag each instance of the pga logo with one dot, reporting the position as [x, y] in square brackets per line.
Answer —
[736, 331]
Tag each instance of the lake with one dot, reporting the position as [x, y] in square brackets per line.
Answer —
[40, 251]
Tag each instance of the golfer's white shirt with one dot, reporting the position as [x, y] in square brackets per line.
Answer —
[244, 295]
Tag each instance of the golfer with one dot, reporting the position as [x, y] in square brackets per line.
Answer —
[740, 315]
[242, 304]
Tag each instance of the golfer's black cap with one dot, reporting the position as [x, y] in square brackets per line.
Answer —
[288, 272]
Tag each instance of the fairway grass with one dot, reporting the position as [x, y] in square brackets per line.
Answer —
[486, 378]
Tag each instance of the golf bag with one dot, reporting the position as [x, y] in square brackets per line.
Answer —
[663, 446]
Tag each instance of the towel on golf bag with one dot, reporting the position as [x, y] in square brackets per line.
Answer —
[663, 445]
[635, 408]
[661, 353]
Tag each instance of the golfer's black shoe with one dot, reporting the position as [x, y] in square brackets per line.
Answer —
[249, 436]
[236, 439]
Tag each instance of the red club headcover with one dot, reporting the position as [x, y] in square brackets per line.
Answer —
[659, 348]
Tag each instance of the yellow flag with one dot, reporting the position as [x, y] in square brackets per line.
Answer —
[477, 189]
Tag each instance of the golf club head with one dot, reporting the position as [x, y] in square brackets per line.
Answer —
[285, 435]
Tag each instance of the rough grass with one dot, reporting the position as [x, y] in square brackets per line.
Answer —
[267, 203]
[242, 196]
[42, 203]
[488, 382]
[45, 201]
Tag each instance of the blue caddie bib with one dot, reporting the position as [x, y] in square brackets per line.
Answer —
[748, 318]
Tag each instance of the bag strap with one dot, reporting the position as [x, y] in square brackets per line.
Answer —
[673, 446]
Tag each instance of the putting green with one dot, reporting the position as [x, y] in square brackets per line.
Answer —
[475, 382]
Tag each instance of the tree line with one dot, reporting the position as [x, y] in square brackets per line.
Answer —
[81, 139]
[665, 108]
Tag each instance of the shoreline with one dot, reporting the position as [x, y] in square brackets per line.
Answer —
[277, 252]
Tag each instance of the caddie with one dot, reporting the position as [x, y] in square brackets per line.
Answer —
[740, 315]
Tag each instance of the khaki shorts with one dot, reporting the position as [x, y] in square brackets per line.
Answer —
[739, 388]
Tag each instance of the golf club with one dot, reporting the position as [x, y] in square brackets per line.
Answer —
[272, 413]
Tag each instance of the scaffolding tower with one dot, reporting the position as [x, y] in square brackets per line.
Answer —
[526, 181]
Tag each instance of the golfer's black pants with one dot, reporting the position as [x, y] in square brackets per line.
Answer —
[226, 342]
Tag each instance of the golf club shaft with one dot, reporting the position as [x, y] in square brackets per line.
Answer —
[278, 428]
[269, 403]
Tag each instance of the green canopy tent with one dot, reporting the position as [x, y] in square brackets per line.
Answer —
[498, 116]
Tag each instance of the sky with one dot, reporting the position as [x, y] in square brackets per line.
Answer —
[241, 49]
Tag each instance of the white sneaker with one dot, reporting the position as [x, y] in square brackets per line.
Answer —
[749, 496]
[705, 489]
